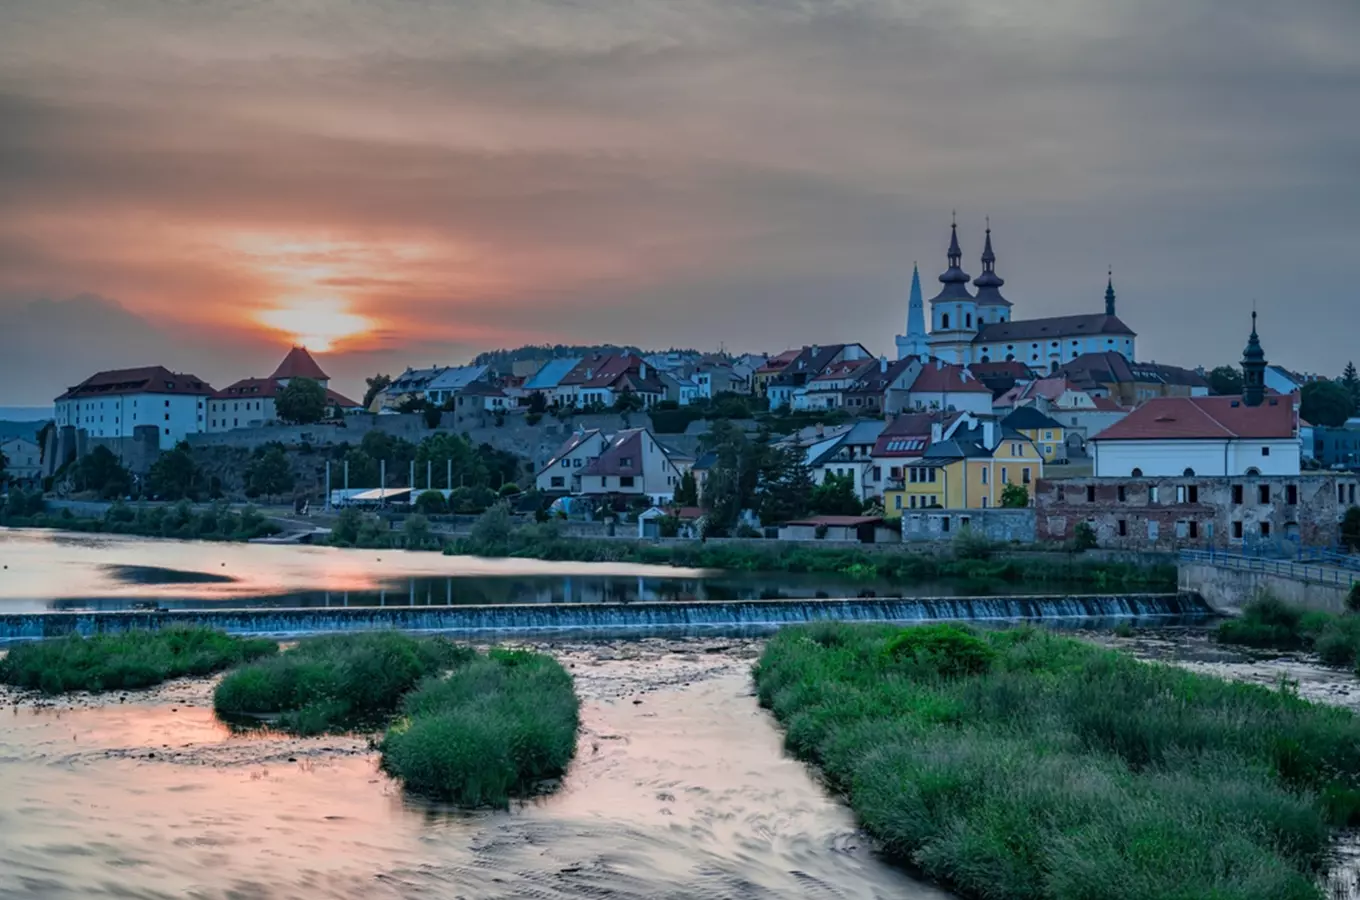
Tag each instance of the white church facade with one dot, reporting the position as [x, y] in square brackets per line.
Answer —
[969, 327]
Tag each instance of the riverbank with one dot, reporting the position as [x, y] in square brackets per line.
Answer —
[1023, 764]
[217, 522]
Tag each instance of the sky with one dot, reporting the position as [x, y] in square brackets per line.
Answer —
[201, 183]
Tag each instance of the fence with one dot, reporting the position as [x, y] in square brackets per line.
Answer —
[1298, 571]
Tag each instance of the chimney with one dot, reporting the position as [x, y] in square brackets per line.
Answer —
[883, 364]
[989, 433]
[936, 432]
[939, 364]
[816, 349]
[642, 371]
[821, 430]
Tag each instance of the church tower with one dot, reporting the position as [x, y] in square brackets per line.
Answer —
[953, 312]
[1109, 295]
[913, 343]
[1253, 369]
[992, 307]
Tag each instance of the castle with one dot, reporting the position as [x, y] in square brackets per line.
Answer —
[968, 327]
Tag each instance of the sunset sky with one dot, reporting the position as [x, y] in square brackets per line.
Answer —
[199, 183]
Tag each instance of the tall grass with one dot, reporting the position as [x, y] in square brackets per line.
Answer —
[1271, 624]
[336, 683]
[134, 659]
[1020, 765]
[493, 729]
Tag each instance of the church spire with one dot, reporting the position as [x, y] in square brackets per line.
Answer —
[1109, 294]
[989, 283]
[913, 343]
[954, 274]
[1253, 369]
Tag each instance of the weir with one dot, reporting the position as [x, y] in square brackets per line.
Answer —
[613, 619]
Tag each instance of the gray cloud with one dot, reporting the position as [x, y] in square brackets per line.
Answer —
[689, 171]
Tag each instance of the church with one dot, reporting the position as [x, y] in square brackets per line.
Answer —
[976, 326]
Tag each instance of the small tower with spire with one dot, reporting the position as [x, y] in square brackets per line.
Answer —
[954, 319]
[913, 343]
[1109, 294]
[1253, 369]
[992, 307]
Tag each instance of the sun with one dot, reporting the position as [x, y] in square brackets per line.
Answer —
[317, 323]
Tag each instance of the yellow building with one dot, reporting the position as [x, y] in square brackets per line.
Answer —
[960, 472]
[1046, 432]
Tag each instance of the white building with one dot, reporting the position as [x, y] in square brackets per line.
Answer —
[562, 473]
[113, 404]
[945, 387]
[448, 383]
[252, 402]
[635, 463]
[23, 459]
[1188, 436]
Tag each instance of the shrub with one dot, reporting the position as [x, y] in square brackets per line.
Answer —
[494, 728]
[335, 683]
[509, 489]
[949, 650]
[431, 503]
[1353, 597]
[134, 659]
[1084, 537]
[415, 532]
[969, 544]
[492, 529]
[1267, 623]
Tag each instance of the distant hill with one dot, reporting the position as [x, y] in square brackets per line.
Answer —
[10, 429]
[502, 360]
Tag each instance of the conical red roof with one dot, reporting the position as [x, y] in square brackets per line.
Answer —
[299, 364]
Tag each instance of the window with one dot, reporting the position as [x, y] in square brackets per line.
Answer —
[167, 417]
[1263, 492]
[1194, 493]
[1123, 494]
[1090, 493]
[931, 472]
[626, 462]
[1017, 450]
[897, 501]
[1024, 475]
[1291, 494]
[1005, 476]
[566, 464]
[576, 463]
[1265, 451]
[1152, 495]
[1180, 493]
[878, 473]
[1194, 529]
[914, 474]
[968, 320]
[1237, 494]
[1181, 530]
[913, 501]
[1237, 530]
[625, 481]
[1265, 529]
[944, 322]
[1152, 530]
[558, 481]
[1123, 528]
[1048, 435]
[984, 475]
[984, 502]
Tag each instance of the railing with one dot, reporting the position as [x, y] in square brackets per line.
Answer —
[1313, 574]
[1330, 558]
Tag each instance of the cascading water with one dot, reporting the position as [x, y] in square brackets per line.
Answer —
[605, 619]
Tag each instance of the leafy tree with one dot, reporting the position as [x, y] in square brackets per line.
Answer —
[433, 416]
[627, 401]
[1350, 380]
[1014, 496]
[1350, 529]
[494, 527]
[1225, 380]
[363, 469]
[835, 496]
[4, 464]
[538, 403]
[1084, 536]
[438, 450]
[269, 473]
[376, 385]
[100, 471]
[733, 479]
[302, 402]
[431, 503]
[687, 494]
[397, 452]
[786, 489]
[175, 476]
[1325, 403]
[346, 530]
[416, 532]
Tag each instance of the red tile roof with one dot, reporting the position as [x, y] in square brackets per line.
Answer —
[938, 377]
[247, 388]
[1203, 418]
[778, 363]
[146, 380]
[299, 364]
[907, 435]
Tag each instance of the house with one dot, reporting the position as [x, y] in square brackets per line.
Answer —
[783, 388]
[679, 389]
[850, 454]
[1336, 447]
[1000, 377]
[635, 464]
[946, 386]
[1112, 375]
[251, 402]
[480, 396]
[115, 403]
[884, 388]
[548, 379]
[770, 369]
[562, 473]
[1283, 381]
[23, 459]
[600, 380]
[716, 377]
[702, 466]
[966, 463]
[449, 383]
[409, 385]
[827, 389]
[1044, 431]
[901, 443]
[687, 518]
[850, 529]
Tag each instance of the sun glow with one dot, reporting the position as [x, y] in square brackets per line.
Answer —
[317, 323]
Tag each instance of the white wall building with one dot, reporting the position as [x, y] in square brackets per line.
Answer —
[23, 459]
[635, 463]
[562, 473]
[113, 404]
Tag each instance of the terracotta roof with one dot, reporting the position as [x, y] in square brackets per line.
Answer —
[299, 364]
[906, 435]
[1203, 418]
[248, 388]
[839, 521]
[1105, 404]
[1056, 326]
[146, 380]
[777, 363]
[942, 378]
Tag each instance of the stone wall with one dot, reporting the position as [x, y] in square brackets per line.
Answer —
[1164, 514]
[66, 443]
[1226, 590]
[1001, 525]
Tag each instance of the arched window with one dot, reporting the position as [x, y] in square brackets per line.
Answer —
[1010, 357]
[1137, 472]
[1189, 473]
[944, 321]
[986, 358]
[1253, 471]
[1052, 367]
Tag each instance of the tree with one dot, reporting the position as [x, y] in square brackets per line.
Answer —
[1225, 380]
[627, 401]
[687, 494]
[785, 490]
[538, 404]
[734, 476]
[1014, 496]
[269, 473]
[174, 476]
[100, 471]
[1325, 403]
[1350, 380]
[431, 503]
[376, 385]
[1350, 529]
[835, 496]
[302, 402]
[437, 451]
[4, 464]
[363, 470]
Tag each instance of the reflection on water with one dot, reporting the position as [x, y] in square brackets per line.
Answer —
[50, 570]
[679, 790]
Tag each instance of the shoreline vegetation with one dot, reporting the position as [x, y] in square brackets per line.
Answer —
[218, 521]
[1022, 764]
[1269, 623]
[470, 728]
[128, 661]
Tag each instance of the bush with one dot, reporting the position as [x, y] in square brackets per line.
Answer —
[945, 649]
[494, 728]
[134, 659]
[1266, 623]
[1353, 597]
[969, 544]
[416, 534]
[335, 683]
[1067, 771]
[509, 489]
[492, 529]
[431, 503]
[1084, 537]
